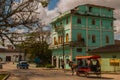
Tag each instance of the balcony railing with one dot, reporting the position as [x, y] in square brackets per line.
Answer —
[59, 29]
[77, 44]
[71, 44]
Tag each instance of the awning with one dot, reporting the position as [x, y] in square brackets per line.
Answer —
[87, 57]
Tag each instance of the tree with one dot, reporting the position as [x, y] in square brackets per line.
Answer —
[37, 44]
[18, 14]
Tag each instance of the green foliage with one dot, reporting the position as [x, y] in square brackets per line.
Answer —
[35, 47]
[50, 66]
[2, 76]
[44, 3]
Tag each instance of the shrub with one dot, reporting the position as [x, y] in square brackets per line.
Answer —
[50, 66]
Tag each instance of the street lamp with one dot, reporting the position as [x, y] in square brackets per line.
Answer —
[63, 46]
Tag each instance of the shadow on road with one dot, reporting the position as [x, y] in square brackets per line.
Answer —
[94, 77]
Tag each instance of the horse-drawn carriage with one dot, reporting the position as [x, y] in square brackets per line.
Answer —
[91, 65]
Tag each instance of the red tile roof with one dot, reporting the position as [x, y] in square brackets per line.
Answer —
[4, 50]
[108, 48]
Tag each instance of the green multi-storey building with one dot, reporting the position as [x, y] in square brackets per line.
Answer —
[79, 30]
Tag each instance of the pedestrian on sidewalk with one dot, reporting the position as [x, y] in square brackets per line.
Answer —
[62, 64]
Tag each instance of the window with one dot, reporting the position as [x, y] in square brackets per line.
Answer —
[61, 39]
[93, 38]
[67, 20]
[109, 10]
[93, 21]
[67, 61]
[61, 23]
[107, 39]
[90, 9]
[55, 42]
[58, 39]
[79, 49]
[79, 20]
[76, 8]
[89, 49]
[54, 25]
[113, 56]
[67, 38]
[79, 37]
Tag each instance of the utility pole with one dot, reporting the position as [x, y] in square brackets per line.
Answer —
[63, 47]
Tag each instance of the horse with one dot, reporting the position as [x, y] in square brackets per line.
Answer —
[73, 67]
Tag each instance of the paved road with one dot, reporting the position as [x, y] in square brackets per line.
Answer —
[45, 74]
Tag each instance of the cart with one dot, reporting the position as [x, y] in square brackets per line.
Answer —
[91, 68]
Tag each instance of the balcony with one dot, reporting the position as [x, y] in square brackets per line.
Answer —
[69, 44]
[59, 29]
[77, 44]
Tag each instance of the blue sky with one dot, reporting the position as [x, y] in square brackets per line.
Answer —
[52, 4]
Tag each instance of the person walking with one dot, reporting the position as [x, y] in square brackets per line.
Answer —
[62, 64]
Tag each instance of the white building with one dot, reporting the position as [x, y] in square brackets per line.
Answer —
[10, 55]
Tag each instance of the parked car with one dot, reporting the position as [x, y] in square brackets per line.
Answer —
[23, 65]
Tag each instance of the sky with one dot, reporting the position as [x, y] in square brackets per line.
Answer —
[52, 4]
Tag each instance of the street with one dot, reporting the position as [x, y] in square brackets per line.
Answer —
[34, 73]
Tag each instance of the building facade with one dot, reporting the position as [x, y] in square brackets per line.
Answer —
[11, 55]
[79, 30]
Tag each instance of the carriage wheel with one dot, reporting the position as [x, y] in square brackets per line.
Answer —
[98, 74]
[78, 73]
[86, 74]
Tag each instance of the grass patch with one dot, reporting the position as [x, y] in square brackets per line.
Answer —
[2, 76]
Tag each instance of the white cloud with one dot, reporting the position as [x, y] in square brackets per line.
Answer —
[20, 30]
[50, 15]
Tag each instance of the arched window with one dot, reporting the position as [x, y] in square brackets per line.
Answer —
[61, 39]
[54, 40]
[79, 37]
[93, 38]
[67, 38]
[58, 39]
[107, 39]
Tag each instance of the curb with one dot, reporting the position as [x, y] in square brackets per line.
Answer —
[55, 69]
[5, 78]
[50, 69]
[110, 72]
